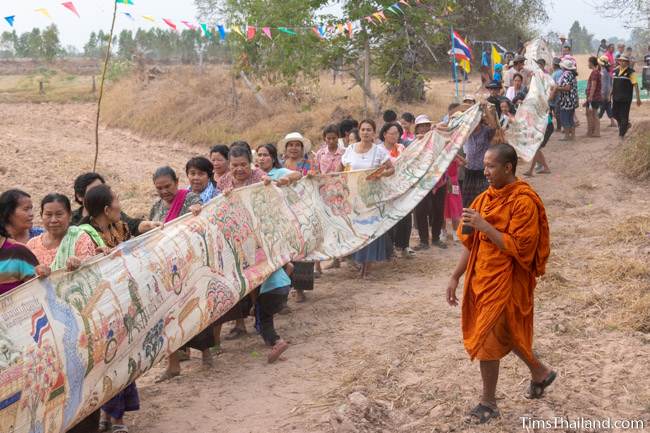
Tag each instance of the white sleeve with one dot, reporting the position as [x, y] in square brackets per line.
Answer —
[346, 159]
[382, 154]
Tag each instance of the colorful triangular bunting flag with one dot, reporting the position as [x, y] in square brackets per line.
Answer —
[237, 30]
[250, 32]
[43, 12]
[222, 32]
[287, 31]
[189, 25]
[206, 32]
[170, 23]
[70, 6]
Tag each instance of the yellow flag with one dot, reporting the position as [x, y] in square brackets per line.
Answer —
[237, 30]
[44, 12]
[465, 65]
[496, 58]
[149, 18]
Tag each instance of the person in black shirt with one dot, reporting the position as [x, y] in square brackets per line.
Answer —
[624, 86]
[82, 183]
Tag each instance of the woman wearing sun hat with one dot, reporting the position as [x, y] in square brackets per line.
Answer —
[295, 148]
[568, 100]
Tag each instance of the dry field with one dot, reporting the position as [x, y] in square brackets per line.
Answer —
[384, 355]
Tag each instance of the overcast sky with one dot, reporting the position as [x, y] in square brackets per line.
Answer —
[96, 14]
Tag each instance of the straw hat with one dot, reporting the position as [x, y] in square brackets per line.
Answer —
[519, 58]
[422, 119]
[603, 61]
[624, 58]
[568, 65]
[294, 136]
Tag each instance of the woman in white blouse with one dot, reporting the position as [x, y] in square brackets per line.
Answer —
[365, 155]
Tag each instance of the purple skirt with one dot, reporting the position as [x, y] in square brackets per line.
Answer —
[126, 401]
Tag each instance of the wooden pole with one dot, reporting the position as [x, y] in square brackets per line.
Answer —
[366, 73]
[101, 86]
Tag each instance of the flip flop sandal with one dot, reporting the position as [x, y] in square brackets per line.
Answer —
[536, 390]
[104, 426]
[120, 429]
[481, 414]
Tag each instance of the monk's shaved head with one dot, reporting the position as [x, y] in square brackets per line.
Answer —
[505, 154]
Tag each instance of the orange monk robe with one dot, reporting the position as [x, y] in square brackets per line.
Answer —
[497, 312]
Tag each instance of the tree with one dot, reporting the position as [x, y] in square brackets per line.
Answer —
[640, 39]
[407, 45]
[33, 44]
[581, 40]
[90, 49]
[126, 45]
[188, 44]
[51, 44]
[8, 44]
[635, 14]
[286, 58]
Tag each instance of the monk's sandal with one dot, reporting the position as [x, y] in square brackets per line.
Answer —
[482, 414]
[536, 390]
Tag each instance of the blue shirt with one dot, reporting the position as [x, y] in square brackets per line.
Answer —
[210, 192]
[36, 231]
[278, 279]
[278, 173]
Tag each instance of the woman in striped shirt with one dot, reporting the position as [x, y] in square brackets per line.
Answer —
[17, 263]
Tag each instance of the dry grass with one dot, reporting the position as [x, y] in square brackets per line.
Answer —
[634, 230]
[623, 274]
[199, 108]
[634, 157]
[59, 87]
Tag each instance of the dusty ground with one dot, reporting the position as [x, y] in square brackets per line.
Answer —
[392, 340]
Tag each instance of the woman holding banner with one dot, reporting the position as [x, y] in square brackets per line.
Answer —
[364, 155]
[296, 152]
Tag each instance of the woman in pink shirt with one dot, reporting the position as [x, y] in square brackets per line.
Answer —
[408, 124]
[328, 157]
[328, 160]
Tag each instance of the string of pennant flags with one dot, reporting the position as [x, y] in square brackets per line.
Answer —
[345, 27]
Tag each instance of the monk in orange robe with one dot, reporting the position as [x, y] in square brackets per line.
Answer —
[506, 239]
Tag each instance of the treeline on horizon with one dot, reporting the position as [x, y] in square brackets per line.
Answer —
[186, 47]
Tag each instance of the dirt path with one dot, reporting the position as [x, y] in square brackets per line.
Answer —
[392, 342]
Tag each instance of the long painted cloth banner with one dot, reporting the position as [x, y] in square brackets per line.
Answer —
[71, 342]
[526, 133]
